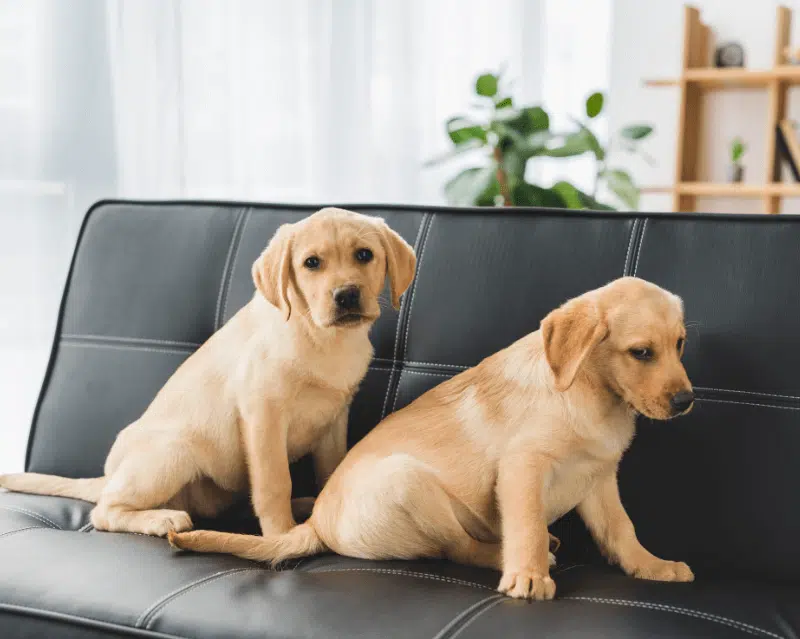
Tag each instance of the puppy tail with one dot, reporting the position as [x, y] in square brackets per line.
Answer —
[86, 489]
[300, 541]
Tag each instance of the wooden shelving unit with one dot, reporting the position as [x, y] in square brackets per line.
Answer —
[698, 77]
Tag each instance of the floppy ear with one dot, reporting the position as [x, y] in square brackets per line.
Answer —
[272, 270]
[401, 262]
[570, 333]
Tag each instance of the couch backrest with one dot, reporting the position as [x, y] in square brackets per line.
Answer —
[151, 281]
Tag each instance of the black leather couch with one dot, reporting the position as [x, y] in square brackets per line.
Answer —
[151, 281]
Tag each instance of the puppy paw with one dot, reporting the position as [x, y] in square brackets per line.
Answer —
[168, 521]
[527, 585]
[551, 559]
[663, 570]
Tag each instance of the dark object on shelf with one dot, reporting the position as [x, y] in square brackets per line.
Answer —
[730, 54]
[788, 147]
[736, 173]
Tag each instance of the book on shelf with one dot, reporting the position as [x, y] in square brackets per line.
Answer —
[789, 146]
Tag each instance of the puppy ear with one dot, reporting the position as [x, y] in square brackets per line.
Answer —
[401, 262]
[272, 270]
[570, 333]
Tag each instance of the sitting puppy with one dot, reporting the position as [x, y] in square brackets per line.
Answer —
[475, 469]
[273, 384]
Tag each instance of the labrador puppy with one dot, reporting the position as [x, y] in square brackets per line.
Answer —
[273, 384]
[475, 469]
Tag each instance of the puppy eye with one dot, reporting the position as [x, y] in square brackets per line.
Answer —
[679, 345]
[312, 262]
[642, 354]
[364, 255]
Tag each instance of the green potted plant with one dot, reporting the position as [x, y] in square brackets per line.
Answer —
[736, 169]
[508, 136]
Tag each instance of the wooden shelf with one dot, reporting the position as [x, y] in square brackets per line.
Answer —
[713, 78]
[721, 189]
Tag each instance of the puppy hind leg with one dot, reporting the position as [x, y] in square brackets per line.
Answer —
[133, 500]
[441, 519]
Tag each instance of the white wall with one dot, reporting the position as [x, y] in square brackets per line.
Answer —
[647, 42]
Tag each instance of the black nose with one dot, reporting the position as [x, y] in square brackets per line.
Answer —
[681, 400]
[347, 298]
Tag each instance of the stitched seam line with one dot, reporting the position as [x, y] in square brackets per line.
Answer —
[131, 341]
[41, 518]
[83, 621]
[223, 281]
[634, 228]
[738, 403]
[398, 329]
[19, 530]
[411, 302]
[87, 528]
[147, 617]
[245, 220]
[407, 573]
[739, 625]
[465, 617]
[125, 347]
[639, 248]
[480, 613]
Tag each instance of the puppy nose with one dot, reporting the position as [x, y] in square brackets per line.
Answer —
[347, 298]
[681, 401]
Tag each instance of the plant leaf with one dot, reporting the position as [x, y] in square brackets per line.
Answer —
[486, 85]
[594, 104]
[505, 103]
[571, 195]
[621, 184]
[636, 131]
[526, 194]
[462, 130]
[466, 188]
[572, 144]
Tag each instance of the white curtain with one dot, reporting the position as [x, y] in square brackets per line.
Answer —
[270, 100]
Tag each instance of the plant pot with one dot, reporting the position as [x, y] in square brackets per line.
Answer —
[735, 173]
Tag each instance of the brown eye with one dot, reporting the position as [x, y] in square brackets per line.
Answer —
[642, 354]
[679, 345]
[364, 255]
[312, 263]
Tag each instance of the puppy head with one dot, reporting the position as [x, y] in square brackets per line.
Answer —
[630, 335]
[331, 267]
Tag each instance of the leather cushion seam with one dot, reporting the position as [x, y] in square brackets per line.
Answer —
[223, 282]
[407, 573]
[90, 622]
[41, 518]
[227, 296]
[148, 616]
[739, 625]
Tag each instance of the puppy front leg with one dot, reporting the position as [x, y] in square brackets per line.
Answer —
[331, 448]
[265, 436]
[605, 516]
[526, 540]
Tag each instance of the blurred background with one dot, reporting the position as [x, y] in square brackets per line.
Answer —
[328, 101]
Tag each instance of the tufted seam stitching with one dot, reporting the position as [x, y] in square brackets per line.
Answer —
[148, 616]
[413, 297]
[407, 573]
[426, 373]
[18, 530]
[480, 613]
[86, 528]
[245, 220]
[413, 363]
[131, 347]
[741, 392]
[77, 619]
[464, 618]
[30, 513]
[738, 403]
[639, 248]
[223, 282]
[134, 341]
[634, 227]
[739, 625]
[396, 352]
